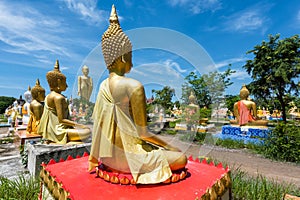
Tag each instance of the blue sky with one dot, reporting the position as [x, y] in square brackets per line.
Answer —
[33, 34]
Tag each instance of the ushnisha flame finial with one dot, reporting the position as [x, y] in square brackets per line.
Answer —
[56, 66]
[115, 42]
[29, 88]
[113, 15]
[37, 82]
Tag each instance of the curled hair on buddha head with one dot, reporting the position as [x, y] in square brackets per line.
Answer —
[37, 89]
[54, 75]
[244, 92]
[115, 43]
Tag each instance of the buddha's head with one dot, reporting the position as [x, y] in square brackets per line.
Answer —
[38, 93]
[56, 80]
[85, 70]
[27, 95]
[244, 92]
[116, 46]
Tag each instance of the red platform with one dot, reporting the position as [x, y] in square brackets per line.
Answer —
[70, 179]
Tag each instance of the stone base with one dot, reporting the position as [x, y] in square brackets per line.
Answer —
[245, 133]
[43, 153]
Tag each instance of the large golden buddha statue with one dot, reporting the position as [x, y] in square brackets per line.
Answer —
[245, 111]
[55, 125]
[121, 141]
[36, 107]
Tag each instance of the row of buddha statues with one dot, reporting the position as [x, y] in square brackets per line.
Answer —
[50, 116]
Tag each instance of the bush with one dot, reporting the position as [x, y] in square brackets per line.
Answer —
[283, 143]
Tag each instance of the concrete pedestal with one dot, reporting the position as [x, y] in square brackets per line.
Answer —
[39, 153]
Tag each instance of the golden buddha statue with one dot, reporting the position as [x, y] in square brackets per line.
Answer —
[36, 107]
[245, 111]
[55, 125]
[85, 84]
[120, 138]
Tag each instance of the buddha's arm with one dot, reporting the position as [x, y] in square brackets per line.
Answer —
[138, 106]
[60, 111]
[236, 111]
[254, 110]
[79, 85]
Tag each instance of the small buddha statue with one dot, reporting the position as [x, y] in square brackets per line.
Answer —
[85, 84]
[36, 108]
[121, 141]
[26, 106]
[55, 125]
[245, 111]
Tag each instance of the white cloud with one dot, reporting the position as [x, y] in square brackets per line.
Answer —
[87, 9]
[197, 6]
[240, 75]
[249, 19]
[25, 30]
[171, 64]
[226, 63]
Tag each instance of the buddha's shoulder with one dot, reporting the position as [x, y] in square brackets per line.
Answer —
[132, 83]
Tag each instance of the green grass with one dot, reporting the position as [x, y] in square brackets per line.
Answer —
[259, 187]
[21, 188]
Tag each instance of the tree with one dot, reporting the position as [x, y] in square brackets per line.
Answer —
[196, 84]
[275, 69]
[216, 83]
[5, 102]
[208, 88]
[164, 97]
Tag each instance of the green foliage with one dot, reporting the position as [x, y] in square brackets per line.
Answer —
[208, 88]
[283, 143]
[164, 97]
[258, 188]
[21, 188]
[5, 102]
[196, 84]
[275, 70]
[230, 100]
[204, 112]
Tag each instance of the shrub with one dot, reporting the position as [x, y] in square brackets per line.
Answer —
[283, 143]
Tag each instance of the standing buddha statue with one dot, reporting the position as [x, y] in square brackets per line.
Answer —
[85, 84]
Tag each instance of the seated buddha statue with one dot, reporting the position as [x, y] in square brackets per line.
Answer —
[245, 111]
[55, 124]
[26, 106]
[36, 107]
[121, 141]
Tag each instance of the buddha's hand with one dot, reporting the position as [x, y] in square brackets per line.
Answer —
[81, 126]
[171, 148]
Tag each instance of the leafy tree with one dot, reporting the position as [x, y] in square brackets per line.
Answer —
[5, 102]
[275, 69]
[230, 100]
[164, 97]
[216, 83]
[196, 84]
[208, 88]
